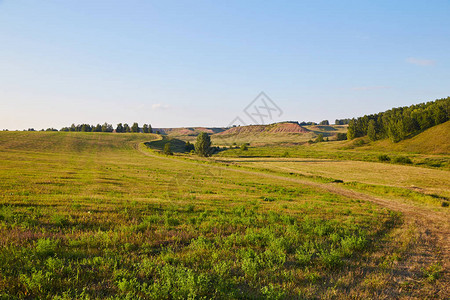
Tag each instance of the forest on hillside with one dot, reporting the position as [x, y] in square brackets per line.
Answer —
[401, 122]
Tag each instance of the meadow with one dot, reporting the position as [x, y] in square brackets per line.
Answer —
[429, 181]
[102, 216]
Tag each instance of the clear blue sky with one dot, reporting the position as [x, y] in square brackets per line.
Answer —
[199, 63]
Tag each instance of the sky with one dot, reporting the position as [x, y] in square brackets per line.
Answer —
[201, 63]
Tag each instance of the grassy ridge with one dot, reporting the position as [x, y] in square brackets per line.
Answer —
[435, 140]
[69, 142]
[101, 220]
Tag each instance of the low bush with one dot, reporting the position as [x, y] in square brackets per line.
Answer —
[359, 143]
[167, 150]
[341, 136]
[402, 160]
[384, 157]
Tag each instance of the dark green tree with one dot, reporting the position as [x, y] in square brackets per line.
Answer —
[203, 145]
[85, 128]
[351, 130]
[145, 128]
[135, 127]
[341, 136]
[319, 138]
[371, 130]
[167, 150]
[119, 128]
[126, 128]
[107, 127]
[97, 128]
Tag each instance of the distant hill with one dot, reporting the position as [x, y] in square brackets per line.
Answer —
[435, 140]
[288, 133]
[283, 127]
[277, 133]
[188, 131]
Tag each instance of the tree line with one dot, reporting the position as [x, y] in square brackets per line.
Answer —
[342, 121]
[120, 128]
[401, 122]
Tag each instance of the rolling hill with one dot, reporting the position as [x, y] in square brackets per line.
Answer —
[278, 133]
[283, 127]
[188, 131]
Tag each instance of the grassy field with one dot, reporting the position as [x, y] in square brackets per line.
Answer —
[100, 216]
[432, 185]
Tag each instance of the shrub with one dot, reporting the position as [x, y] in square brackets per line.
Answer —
[341, 136]
[244, 147]
[402, 160]
[188, 147]
[383, 157]
[319, 138]
[358, 143]
[167, 150]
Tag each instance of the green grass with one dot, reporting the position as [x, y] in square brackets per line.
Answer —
[339, 150]
[430, 183]
[86, 215]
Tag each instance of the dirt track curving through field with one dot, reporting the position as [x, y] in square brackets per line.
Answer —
[433, 226]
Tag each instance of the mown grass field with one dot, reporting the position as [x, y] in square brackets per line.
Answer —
[428, 181]
[100, 216]
[341, 150]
